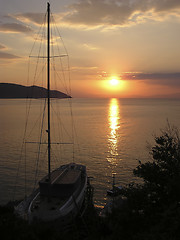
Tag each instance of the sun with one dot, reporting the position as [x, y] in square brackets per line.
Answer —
[113, 85]
[114, 82]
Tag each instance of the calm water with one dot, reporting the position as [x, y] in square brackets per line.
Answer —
[110, 136]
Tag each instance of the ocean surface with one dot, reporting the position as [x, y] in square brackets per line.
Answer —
[110, 136]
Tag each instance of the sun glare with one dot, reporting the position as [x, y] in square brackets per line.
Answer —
[114, 82]
[113, 86]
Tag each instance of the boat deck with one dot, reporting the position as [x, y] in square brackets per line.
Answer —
[70, 177]
[44, 207]
[63, 176]
[54, 175]
[49, 204]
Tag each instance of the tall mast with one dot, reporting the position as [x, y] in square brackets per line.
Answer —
[48, 90]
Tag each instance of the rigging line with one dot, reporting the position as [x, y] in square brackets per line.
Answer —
[72, 123]
[61, 122]
[60, 136]
[75, 135]
[58, 33]
[39, 169]
[54, 143]
[24, 136]
[38, 34]
[39, 74]
[41, 35]
[67, 57]
[59, 149]
[58, 56]
[36, 122]
[55, 73]
[23, 142]
[39, 146]
[43, 157]
[28, 99]
[68, 90]
[69, 77]
[27, 115]
[21, 154]
[55, 130]
[54, 77]
[55, 159]
[43, 64]
[37, 64]
[36, 76]
[25, 174]
[58, 125]
[62, 81]
[63, 76]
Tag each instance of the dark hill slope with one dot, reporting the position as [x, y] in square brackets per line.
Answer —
[10, 90]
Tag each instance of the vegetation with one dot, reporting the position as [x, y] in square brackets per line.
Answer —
[151, 209]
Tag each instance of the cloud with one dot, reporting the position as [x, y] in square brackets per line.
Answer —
[4, 55]
[90, 46]
[2, 46]
[14, 27]
[118, 12]
[77, 68]
[37, 18]
[168, 79]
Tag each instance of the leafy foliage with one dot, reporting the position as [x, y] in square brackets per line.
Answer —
[162, 175]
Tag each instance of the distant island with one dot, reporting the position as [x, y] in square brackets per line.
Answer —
[10, 90]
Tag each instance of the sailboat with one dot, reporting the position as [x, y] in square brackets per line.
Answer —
[61, 192]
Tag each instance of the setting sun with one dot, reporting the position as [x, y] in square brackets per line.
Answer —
[114, 82]
[113, 87]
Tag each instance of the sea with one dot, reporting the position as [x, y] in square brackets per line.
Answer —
[110, 136]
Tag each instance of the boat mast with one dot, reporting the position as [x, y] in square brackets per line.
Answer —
[48, 90]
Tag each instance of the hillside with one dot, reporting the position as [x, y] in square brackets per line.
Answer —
[10, 90]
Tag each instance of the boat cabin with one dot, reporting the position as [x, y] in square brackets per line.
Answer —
[63, 183]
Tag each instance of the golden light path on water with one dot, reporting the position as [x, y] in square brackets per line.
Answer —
[114, 125]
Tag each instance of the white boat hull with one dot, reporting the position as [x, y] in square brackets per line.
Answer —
[41, 208]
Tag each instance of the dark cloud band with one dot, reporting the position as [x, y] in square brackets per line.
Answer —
[14, 27]
[4, 55]
[168, 79]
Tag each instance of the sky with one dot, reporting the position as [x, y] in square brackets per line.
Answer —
[117, 48]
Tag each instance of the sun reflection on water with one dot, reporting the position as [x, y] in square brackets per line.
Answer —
[114, 125]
